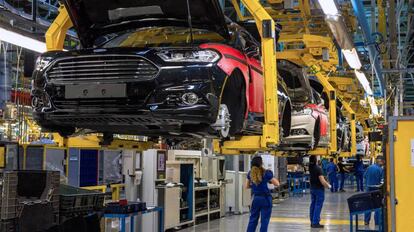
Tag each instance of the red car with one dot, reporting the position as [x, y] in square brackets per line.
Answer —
[145, 69]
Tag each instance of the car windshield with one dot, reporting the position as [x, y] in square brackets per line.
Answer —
[158, 37]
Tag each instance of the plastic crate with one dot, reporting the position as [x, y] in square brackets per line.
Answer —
[9, 203]
[77, 200]
[27, 185]
[8, 225]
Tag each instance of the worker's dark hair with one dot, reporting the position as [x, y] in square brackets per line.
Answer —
[380, 157]
[312, 160]
[340, 159]
[331, 159]
[257, 172]
[257, 161]
[358, 157]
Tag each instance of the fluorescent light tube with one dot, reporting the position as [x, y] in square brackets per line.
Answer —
[22, 41]
[352, 58]
[364, 82]
[373, 105]
[328, 7]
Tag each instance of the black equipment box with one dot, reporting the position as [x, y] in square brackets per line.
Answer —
[365, 201]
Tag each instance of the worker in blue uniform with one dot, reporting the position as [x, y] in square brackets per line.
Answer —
[317, 184]
[359, 173]
[257, 180]
[342, 171]
[332, 170]
[374, 177]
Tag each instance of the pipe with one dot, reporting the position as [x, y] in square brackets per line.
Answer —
[373, 53]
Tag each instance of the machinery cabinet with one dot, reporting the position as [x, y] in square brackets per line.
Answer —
[83, 167]
[169, 199]
[209, 203]
[238, 198]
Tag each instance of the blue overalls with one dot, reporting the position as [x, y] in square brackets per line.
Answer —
[373, 178]
[359, 174]
[333, 178]
[261, 203]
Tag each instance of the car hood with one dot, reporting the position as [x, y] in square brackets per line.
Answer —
[94, 18]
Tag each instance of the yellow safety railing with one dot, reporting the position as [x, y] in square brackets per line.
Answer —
[115, 190]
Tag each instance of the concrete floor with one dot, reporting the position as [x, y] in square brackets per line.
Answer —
[291, 215]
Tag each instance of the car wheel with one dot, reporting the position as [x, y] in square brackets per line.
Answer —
[223, 122]
[316, 134]
[230, 118]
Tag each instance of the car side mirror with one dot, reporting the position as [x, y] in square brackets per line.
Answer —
[252, 51]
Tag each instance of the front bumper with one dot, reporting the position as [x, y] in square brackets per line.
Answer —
[154, 103]
[303, 123]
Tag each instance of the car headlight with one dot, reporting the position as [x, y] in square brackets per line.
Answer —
[42, 62]
[203, 56]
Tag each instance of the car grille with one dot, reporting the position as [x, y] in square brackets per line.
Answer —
[96, 104]
[115, 119]
[102, 67]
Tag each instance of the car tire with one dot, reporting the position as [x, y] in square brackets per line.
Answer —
[316, 134]
[234, 97]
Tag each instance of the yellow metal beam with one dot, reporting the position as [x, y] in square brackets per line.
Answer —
[246, 144]
[55, 35]
[271, 108]
[382, 28]
[342, 80]
[321, 152]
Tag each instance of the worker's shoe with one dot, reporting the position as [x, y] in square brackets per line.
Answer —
[317, 226]
[367, 223]
[342, 190]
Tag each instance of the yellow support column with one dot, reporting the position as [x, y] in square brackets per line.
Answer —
[266, 28]
[55, 35]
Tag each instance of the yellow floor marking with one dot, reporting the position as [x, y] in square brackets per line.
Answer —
[306, 221]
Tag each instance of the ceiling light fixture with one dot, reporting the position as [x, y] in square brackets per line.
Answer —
[364, 82]
[352, 58]
[328, 7]
[22, 41]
